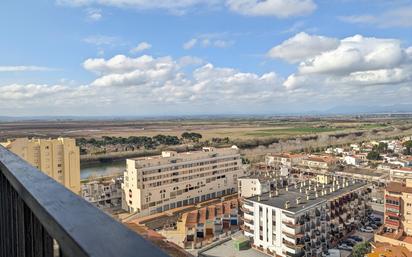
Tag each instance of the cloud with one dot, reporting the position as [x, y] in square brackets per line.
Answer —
[356, 61]
[94, 14]
[398, 17]
[101, 40]
[23, 68]
[302, 46]
[30, 91]
[277, 8]
[209, 40]
[190, 44]
[141, 47]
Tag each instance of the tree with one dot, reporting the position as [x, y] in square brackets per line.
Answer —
[195, 137]
[408, 146]
[361, 249]
[373, 156]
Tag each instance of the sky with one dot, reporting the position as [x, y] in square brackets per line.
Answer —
[192, 57]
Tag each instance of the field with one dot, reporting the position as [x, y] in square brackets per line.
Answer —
[255, 136]
[234, 129]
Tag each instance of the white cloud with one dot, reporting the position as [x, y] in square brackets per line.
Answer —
[208, 40]
[22, 68]
[398, 17]
[94, 14]
[190, 44]
[23, 92]
[302, 46]
[141, 47]
[101, 40]
[277, 8]
[356, 61]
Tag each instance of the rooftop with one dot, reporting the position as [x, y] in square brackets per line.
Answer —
[294, 193]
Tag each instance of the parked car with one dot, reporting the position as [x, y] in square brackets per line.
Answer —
[356, 238]
[367, 229]
[374, 226]
[345, 247]
[349, 243]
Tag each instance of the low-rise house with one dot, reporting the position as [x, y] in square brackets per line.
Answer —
[104, 193]
[400, 174]
[202, 226]
[318, 162]
[284, 159]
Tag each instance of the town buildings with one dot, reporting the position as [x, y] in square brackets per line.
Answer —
[58, 158]
[306, 218]
[284, 159]
[202, 226]
[398, 215]
[318, 162]
[255, 185]
[104, 193]
[171, 180]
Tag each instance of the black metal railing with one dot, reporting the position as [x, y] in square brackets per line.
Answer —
[41, 218]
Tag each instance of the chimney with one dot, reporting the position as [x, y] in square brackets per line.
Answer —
[276, 192]
[270, 194]
[346, 183]
[298, 201]
[308, 197]
[287, 205]
[300, 190]
[287, 188]
[316, 195]
[259, 198]
[323, 185]
[331, 189]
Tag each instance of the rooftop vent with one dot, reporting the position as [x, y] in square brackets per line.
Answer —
[298, 200]
[259, 198]
[287, 205]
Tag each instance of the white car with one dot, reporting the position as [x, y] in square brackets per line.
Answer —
[345, 247]
[367, 229]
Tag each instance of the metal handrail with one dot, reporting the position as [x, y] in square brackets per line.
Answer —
[36, 211]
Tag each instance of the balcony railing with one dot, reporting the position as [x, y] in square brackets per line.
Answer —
[41, 218]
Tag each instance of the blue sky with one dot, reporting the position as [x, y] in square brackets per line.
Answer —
[139, 57]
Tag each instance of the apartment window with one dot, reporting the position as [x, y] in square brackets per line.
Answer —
[409, 204]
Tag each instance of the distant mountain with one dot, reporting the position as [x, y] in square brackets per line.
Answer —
[365, 109]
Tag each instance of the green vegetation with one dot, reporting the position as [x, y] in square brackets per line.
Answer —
[373, 156]
[359, 250]
[192, 136]
[408, 146]
[132, 142]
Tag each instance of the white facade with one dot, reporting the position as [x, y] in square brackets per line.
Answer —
[171, 180]
[248, 187]
[285, 224]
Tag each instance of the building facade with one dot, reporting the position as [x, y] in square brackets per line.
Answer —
[171, 180]
[305, 219]
[104, 193]
[58, 158]
[254, 185]
[285, 159]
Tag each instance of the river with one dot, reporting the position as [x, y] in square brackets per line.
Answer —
[102, 169]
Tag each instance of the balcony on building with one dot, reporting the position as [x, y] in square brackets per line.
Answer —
[41, 218]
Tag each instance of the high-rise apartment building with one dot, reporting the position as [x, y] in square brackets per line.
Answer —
[304, 219]
[397, 228]
[171, 180]
[58, 158]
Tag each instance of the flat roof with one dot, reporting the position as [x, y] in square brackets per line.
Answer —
[291, 196]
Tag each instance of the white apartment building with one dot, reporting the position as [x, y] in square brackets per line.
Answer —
[304, 219]
[254, 185]
[171, 180]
